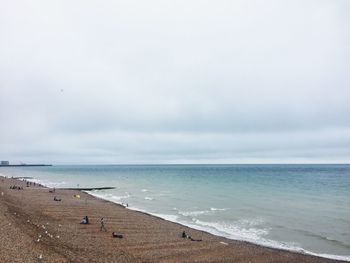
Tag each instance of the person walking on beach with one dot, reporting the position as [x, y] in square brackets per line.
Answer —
[103, 221]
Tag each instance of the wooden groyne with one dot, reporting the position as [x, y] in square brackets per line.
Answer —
[87, 189]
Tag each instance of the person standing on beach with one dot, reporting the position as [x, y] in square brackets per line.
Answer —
[103, 221]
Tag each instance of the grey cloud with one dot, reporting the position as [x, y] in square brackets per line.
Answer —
[161, 81]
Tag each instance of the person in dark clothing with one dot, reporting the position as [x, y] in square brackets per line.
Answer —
[85, 221]
[116, 235]
[103, 221]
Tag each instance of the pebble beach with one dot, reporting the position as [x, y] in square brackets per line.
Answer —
[35, 228]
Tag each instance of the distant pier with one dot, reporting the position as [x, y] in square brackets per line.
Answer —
[23, 165]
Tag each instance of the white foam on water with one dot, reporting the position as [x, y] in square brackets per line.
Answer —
[194, 213]
[212, 210]
[218, 209]
[248, 223]
[144, 190]
[172, 218]
[233, 231]
[110, 197]
[168, 217]
[56, 184]
[137, 209]
[256, 236]
[149, 198]
[119, 198]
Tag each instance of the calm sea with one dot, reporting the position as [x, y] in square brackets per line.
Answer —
[303, 208]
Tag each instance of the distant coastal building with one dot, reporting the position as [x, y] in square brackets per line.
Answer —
[5, 163]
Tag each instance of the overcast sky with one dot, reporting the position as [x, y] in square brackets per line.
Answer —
[188, 81]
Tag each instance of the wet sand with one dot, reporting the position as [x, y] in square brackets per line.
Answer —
[35, 228]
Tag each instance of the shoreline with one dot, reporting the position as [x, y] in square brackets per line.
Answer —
[301, 251]
[147, 237]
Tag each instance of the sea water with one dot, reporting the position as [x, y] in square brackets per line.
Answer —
[304, 208]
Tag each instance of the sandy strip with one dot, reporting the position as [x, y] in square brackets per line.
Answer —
[35, 228]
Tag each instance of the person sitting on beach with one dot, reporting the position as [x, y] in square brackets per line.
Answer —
[57, 199]
[85, 220]
[184, 235]
[116, 235]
